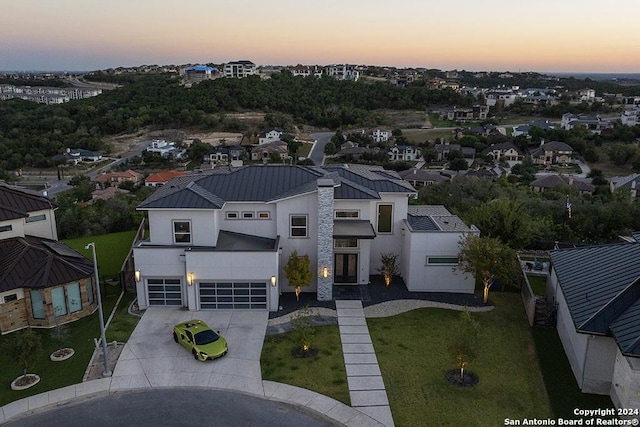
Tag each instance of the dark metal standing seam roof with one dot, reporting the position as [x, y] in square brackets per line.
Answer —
[31, 262]
[17, 203]
[268, 183]
[421, 223]
[601, 287]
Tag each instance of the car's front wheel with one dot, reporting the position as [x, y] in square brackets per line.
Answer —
[175, 337]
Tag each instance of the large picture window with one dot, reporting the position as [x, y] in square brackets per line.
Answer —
[385, 216]
[298, 226]
[73, 297]
[37, 306]
[182, 231]
[58, 302]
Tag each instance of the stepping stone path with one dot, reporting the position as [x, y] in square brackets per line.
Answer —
[366, 387]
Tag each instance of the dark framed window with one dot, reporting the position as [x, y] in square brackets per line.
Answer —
[298, 226]
[385, 218]
[182, 231]
[442, 260]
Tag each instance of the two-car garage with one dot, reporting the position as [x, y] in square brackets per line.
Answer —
[211, 295]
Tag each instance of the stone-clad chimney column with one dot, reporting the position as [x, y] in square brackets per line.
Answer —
[325, 239]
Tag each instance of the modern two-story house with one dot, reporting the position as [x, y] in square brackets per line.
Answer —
[220, 240]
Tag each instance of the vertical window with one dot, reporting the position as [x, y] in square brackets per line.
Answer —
[89, 290]
[385, 215]
[73, 297]
[58, 302]
[182, 231]
[37, 306]
[298, 226]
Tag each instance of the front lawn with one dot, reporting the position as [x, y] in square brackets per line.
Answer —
[111, 250]
[324, 373]
[55, 374]
[412, 350]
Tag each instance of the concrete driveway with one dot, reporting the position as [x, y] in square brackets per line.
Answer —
[152, 359]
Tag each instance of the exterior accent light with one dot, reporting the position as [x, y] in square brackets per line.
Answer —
[273, 281]
[190, 278]
[137, 275]
[325, 272]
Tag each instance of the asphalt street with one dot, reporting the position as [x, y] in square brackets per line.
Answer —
[174, 407]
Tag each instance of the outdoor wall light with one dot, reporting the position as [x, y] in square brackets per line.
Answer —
[137, 275]
[325, 272]
[273, 281]
[190, 278]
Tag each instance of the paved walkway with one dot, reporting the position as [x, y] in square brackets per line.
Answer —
[366, 387]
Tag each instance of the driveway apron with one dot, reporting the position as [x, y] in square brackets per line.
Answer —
[152, 359]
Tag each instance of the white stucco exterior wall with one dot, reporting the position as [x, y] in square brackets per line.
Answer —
[204, 226]
[625, 386]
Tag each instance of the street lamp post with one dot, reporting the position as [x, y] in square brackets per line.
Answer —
[103, 338]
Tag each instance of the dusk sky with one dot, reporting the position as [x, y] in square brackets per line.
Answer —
[516, 35]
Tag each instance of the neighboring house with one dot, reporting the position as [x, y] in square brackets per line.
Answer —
[506, 151]
[630, 183]
[631, 117]
[500, 98]
[403, 153]
[114, 179]
[43, 283]
[342, 72]
[306, 70]
[596, 290]
[593, 123]
[269, 136]
[165, 149]
[524, 129]
[78, 155]
[378, 135]
[588, 95]
[225, 155]
[198, 73]
[221, 240]
[356, 152]
[161, 178]
[239, 69]
[443, 150]
[264, 151]
[558, 181]
[477, 112]
[493, 173]
[423, 177]
[552, 153]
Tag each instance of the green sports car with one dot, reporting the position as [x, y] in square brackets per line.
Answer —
[200, 339]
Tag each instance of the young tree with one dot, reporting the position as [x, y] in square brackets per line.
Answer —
[298, 272]
[388, 266]
[464, 346]
[489, 258]
[26, 348]
[303, 328]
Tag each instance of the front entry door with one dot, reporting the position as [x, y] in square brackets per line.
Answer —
[345, 268]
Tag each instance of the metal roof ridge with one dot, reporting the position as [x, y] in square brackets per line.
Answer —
[613, 300]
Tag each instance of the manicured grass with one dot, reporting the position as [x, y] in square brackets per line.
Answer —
[538, 284]
[561, 385]
[123, 323]
[412, 350]
[55, 374]
[323, 373]
[111, 250]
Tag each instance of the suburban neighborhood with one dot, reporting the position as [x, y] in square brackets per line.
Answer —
[457, 254]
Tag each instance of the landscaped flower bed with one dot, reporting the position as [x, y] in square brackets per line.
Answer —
[25, 381]
[62, 354]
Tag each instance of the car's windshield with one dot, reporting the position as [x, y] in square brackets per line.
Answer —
[206, 337]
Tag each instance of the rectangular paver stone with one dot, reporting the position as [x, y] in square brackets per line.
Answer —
[353, 330]
[357, 348]
[365, 383]
[368, 398]
[352, 321]
[355, 339]
[368, 358]
[362, 369]
[350, 312]
[348, 304]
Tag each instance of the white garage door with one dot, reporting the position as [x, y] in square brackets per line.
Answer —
[164, 292]
[233, 295]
